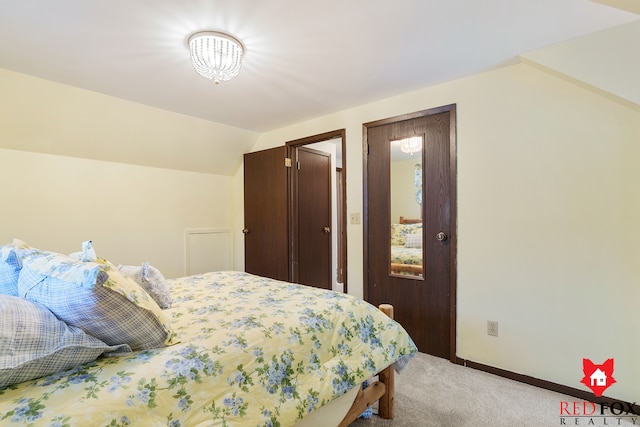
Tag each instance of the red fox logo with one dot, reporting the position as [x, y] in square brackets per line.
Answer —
[597, 377]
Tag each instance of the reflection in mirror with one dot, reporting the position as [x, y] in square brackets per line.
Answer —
[407, 252]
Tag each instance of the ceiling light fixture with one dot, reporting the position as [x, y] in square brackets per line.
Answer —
[216, 56]
[411, 145]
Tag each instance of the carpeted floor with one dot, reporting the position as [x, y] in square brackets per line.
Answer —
[431, 391]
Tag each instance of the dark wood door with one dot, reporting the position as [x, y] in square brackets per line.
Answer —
[266, 250]
[425, 306]
[312, 218]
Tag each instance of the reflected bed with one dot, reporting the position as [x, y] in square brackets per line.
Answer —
[406, 247]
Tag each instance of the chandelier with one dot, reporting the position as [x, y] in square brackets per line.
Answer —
[411, 145]
[216, 56]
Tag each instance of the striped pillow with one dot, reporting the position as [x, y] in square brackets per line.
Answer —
[116, 312]
[413, 240]
[50, 346]
[9, 270]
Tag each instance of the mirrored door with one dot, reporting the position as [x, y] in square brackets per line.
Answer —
[410, 210]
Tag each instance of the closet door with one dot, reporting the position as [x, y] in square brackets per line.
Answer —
[265, 214]
[312, 218]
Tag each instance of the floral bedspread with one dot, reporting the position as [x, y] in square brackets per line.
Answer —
[252, 352]
[402, 255]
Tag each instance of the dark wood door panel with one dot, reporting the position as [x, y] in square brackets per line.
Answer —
[265, 214]
[313, 215]
[425, 305]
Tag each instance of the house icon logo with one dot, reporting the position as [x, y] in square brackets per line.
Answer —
[597, 377]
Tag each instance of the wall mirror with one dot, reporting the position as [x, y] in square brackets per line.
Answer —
[406, 236]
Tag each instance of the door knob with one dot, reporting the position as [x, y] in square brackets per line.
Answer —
[326, 230]
[441, 237]
[245, 231]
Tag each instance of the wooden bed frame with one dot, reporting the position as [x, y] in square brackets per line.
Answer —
[404, 220]
[406, 268]
[381, 390]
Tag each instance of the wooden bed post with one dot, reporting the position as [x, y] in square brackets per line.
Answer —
[381, 390]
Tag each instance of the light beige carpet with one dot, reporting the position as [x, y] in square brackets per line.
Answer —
[432, 391]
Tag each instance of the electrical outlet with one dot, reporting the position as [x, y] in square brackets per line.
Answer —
[354, 217]
[492, 328]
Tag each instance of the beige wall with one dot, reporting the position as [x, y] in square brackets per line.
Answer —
[47, 117]
[132, 213]
[154, 173]
[548, 207]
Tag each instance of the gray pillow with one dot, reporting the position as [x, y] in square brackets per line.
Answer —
[34, 343]
[151, 280]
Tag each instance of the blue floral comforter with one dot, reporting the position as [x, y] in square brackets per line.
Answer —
[252, 352]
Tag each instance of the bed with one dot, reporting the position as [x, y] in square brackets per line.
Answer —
[406, 247]
[239, 350]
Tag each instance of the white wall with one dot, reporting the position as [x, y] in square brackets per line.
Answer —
[548, 207]
[132, 213]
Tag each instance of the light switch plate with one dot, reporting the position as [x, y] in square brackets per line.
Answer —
[354, 218]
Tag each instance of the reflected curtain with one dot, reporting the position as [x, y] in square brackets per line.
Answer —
[417, 182]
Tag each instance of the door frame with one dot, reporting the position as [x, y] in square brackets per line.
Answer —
[291, 146]
[453, 239]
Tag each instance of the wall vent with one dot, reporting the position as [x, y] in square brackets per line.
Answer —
[208, 249]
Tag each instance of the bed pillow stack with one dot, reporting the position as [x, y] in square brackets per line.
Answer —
[147, 276]
[58, 312]
[399, 232]
[93, 296]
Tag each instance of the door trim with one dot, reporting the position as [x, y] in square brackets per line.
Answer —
[290, 148]
[453, 239]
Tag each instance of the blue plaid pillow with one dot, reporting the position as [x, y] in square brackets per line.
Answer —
[9, 270]
[50, 346]
[117, 312]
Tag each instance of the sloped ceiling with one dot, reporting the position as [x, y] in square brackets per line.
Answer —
[607, 62]
[629, 5]
[304, 59]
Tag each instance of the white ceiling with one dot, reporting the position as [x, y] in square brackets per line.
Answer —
[304, 59]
